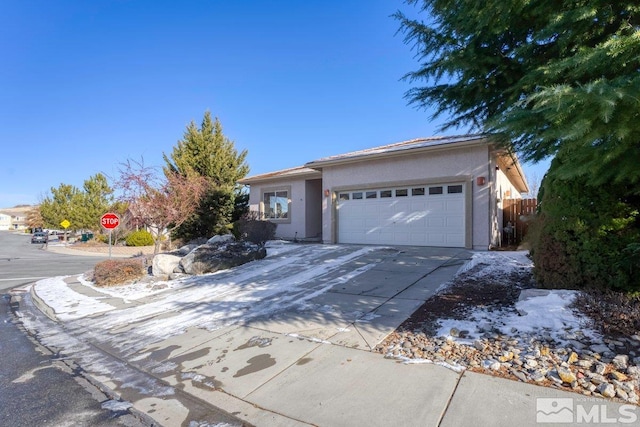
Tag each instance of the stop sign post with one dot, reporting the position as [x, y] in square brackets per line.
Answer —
[110, 221]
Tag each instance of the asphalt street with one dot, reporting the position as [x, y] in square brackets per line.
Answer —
[22, 262]
[36, 387]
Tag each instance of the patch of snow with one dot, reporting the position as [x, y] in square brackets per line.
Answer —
[547, 311]
[408, 361]
[116, 405]
[193, 377]
[67, 303]
[310, 339]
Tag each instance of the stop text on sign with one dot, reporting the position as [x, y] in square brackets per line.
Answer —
[110, 220]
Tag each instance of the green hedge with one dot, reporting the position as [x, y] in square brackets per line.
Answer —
[586, 235]
[139, 238]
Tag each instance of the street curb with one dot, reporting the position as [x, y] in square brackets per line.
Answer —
[41, 305]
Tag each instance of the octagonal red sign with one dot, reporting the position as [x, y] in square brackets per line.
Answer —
[110, 220]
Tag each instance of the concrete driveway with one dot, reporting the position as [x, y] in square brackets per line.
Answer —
[273, 342]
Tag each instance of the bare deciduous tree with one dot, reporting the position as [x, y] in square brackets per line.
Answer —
[162, 204]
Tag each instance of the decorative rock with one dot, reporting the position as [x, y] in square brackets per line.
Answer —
[537, 376]
[531, 363]
[479, 345]
[566, 375]
[599, 348]
[606, 389]
[522, 377]
[454, 332]
[505, 356]
[553, 376]
[584, 364]
[599, 368]
[621, 361]
[209, 258]
[621, 394]
[217, 240]
[164, 264]
[597, 379]
[618, 376]
[184, 250]
[573, 357]
[634, 371]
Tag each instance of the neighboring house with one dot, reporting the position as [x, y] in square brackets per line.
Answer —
[441, 191]
[18, 217]
[5, 221]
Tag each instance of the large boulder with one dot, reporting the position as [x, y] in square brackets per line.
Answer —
[164, 264]
[220, 239]
[208, 258]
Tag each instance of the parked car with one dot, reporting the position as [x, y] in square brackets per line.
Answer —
[39, 237]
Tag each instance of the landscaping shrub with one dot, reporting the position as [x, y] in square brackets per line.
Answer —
[585, 235]
[117, 272]
[139, 238]
[253, 229]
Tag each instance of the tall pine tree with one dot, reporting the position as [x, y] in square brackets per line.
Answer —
[548, 76]
[205, 151]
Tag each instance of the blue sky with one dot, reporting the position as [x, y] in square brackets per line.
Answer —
[86, 85]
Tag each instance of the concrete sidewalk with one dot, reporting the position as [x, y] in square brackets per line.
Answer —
[300, 356]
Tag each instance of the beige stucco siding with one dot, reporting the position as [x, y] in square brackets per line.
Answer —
[295, 226]
[461, 165]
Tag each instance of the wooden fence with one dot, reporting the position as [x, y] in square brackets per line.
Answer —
[516, 216]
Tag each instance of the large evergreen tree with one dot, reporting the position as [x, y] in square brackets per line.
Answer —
[97, 198]
[548, 76]
[82, 208]
[61, 205]
[205, 151]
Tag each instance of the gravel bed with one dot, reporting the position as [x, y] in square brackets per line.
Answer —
[571, 358]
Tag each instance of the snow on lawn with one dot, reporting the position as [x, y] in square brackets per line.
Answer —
[538, 311]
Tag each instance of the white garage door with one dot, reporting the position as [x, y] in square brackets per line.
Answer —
[421, 215]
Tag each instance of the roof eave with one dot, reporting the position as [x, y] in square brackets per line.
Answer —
[270, 177]
[319, 164]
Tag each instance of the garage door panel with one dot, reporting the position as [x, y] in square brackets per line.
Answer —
[423, 219]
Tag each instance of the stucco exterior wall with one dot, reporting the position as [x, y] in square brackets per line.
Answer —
[295, 226]
[462, 165]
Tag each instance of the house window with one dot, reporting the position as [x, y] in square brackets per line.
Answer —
[451, 189]
[276, 204]
[372, 194]
[417, 191]
[344, 196]
[435, 190]
[385, 193]
[356, 196]
[402, 193]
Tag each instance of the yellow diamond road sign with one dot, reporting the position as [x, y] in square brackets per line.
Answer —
[65, 224]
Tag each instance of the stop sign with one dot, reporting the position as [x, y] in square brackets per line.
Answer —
[109, 221]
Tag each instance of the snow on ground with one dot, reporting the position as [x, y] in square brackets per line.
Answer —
[537, 311]
[69, 304]
[290, 277]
